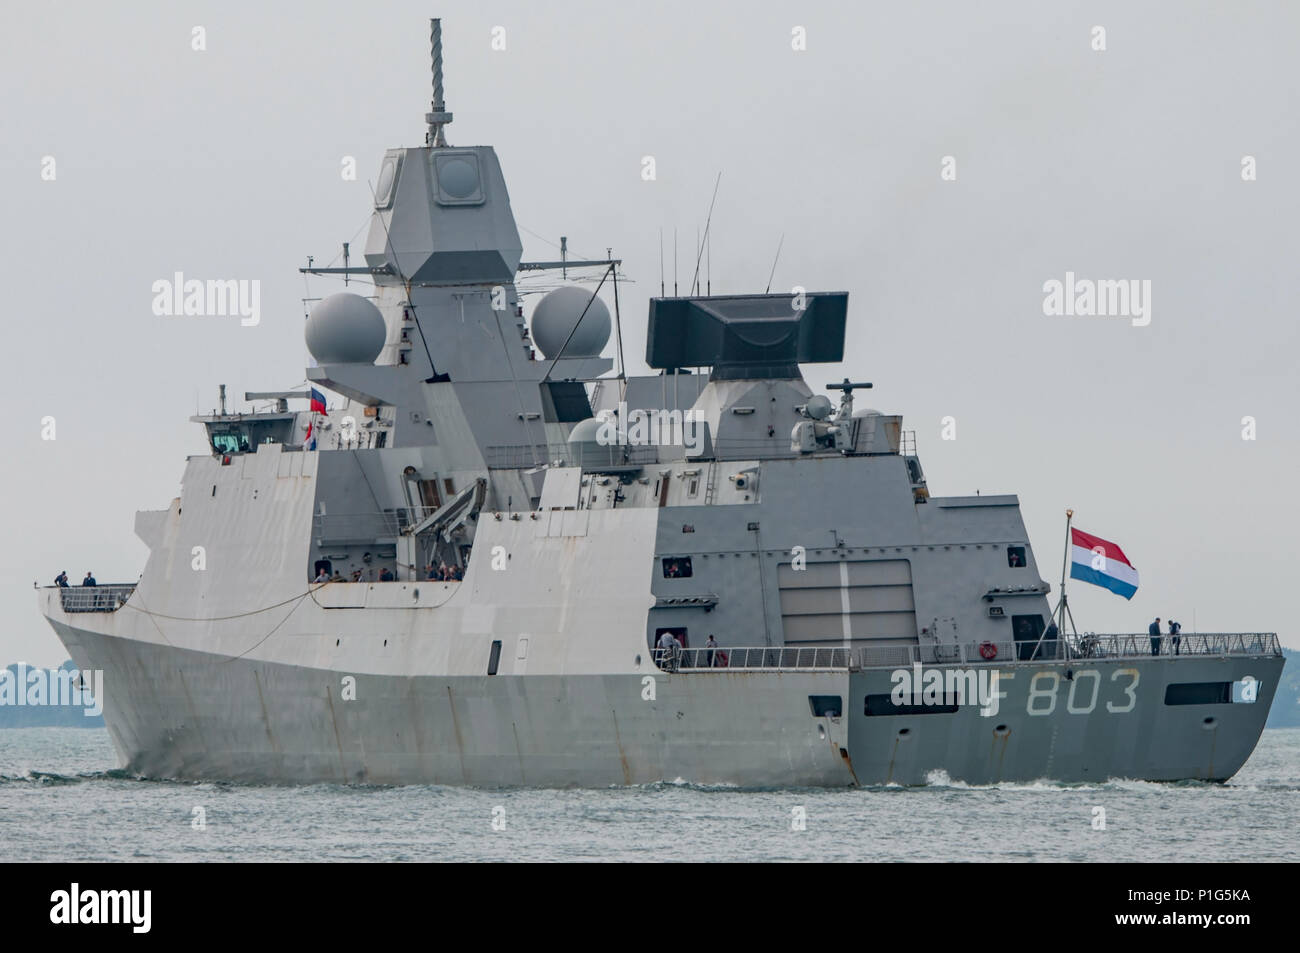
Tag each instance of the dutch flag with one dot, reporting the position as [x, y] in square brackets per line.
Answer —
[317, 407]
[1102, 563]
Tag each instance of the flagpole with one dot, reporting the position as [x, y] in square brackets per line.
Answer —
[1065, 565]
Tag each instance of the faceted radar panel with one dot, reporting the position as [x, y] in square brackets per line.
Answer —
[345, 329]
[751, 335]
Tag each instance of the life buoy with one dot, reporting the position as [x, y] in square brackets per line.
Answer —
[988, 650]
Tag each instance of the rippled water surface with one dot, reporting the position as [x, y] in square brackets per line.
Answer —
[61, 799]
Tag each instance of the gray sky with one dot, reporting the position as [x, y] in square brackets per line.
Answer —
[1117, 164]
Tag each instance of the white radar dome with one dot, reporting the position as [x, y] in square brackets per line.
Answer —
[819, 407]
[558, 312]
[586, 431]
[345, 329]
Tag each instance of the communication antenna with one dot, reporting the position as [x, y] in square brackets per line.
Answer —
[439, 117]
[695, 283]
[674, 261]
[661, 262]
[708, 267]
[699, 250]
[774, 261]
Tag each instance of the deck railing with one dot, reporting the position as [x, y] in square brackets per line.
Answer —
[755, 659]
[1089, 646]
[592, 458]
[107, 598]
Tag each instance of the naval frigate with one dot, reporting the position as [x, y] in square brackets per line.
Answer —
[474, 552]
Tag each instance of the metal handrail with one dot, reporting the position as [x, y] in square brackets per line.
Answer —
[756, 658]
[1091, 645]
[837, 658]
[513, 457]
[106, 598]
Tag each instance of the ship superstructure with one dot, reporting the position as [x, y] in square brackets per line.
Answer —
[493, 562]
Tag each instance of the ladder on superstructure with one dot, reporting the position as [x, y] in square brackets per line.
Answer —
[710, 485]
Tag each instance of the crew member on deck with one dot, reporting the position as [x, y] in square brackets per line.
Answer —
[1154, 631]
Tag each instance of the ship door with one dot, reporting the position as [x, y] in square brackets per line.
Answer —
[1027, 630]
[678, 631]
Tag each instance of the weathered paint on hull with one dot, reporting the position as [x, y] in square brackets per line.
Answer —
[1124, 730]
[179, 713]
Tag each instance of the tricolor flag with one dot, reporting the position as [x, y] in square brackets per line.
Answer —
[317, 407]
[1101, 563]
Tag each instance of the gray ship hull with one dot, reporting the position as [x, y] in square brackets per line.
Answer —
[185, 714]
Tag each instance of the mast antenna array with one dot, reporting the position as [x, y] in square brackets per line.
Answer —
[439, 117]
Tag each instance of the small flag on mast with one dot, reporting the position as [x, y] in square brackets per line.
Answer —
[317, 407]
[1102, 563]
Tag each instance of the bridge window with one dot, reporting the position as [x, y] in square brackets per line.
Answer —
[243, 436]
[230, 443]
[1016, 557]
[677, 567]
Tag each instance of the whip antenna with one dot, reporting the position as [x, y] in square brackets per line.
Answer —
[774, 261]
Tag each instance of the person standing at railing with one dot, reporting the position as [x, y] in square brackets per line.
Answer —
[89, 580]
[1153, 630]
[710, 645]
[668, 646]
[61, 580]
[1174, 629]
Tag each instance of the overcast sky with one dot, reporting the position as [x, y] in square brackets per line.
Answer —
[1117, 164]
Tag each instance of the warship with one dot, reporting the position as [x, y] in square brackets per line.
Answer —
[474, 552]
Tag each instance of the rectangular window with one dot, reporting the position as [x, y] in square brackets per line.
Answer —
[1016, 557]
[429, 495]
[826, 706]
[884, 705]
[1198, 693]
[677, 567]
[494, 659]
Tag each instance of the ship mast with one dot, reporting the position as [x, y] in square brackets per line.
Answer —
[439, 117]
